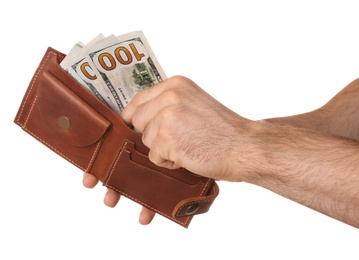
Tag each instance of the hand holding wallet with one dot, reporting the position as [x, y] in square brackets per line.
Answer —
[63, 115]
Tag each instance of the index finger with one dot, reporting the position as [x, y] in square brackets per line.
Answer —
[140, 98]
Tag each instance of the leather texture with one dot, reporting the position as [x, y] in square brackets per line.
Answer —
[68, 119]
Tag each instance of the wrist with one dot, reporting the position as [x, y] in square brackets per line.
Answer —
[262, 147]
[248, 151]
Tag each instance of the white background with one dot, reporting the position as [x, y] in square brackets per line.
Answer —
[260, 58]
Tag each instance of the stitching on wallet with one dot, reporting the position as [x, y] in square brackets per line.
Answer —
[144, 204]
[58, 152]
[64, 156]
[205, 187]
[32, 106]
[118, 157]
[33, 82]
[134, 199]
[94, 154]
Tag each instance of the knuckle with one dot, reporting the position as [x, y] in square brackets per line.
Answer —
[153, 157]
[179, 80]
[145, 140]
[136, 122]
[171, 96]
[166, 116]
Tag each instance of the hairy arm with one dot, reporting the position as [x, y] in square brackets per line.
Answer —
[340, 116]
[313, 158]
[320, 171]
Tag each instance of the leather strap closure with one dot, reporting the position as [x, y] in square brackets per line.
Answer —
[198, 205]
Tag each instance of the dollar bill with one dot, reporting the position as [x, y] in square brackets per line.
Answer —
[77, 48]
[77, 66]
[124, 65]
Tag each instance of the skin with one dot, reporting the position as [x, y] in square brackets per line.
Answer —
[310, 158]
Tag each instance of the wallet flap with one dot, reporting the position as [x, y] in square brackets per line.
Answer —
[67, 116]
[59, 118]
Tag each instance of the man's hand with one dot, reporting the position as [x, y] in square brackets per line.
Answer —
[184, 127]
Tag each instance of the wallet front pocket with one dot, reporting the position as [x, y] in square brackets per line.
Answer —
[64, 122]
[150, 187]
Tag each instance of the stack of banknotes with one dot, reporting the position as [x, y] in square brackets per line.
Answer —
[114, 68]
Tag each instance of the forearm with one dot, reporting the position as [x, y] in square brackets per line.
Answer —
[339, 116]
[317, 170]
[323, 121]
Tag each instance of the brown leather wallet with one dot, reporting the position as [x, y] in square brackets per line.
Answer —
[71, 121]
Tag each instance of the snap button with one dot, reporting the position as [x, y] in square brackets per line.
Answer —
[64, 122]
[192, 209]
